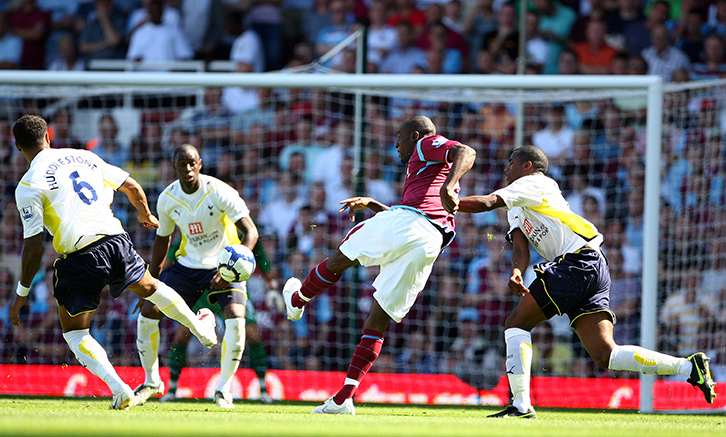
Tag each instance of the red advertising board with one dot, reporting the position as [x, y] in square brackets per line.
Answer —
[599, 393]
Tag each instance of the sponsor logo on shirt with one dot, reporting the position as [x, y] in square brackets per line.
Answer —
[438, 142]
[27, 212]
[195, 228]
[527, 226]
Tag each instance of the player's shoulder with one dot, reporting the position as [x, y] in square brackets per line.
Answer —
[171, 189]
[436, 141]
[210, 183]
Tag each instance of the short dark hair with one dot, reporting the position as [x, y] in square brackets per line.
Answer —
[184, 148]
[534, 154]
[29, 131]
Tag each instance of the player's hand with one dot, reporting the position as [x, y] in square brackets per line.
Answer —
[15, 309]
[449, 200]
[353, 204]
[148, 221]
[218, 283]
[516, 284]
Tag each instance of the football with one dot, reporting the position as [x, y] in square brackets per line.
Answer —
[236, 263]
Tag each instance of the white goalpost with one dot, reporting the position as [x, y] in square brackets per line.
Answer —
[476, 90]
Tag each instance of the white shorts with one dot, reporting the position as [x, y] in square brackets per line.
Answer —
[405, 244]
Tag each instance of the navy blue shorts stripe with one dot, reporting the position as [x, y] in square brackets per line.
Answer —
[573, 284]
[81, 276]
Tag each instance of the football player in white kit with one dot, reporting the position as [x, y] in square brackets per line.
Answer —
[69, 193]
[575, 281]
[208, 213]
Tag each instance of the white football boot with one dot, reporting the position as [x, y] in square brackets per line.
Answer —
[223, 400]
[207, 334]
[291, 286]
[330, 407]
[146, 391]
[124, 399]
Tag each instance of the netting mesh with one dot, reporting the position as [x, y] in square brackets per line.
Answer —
[289, 153]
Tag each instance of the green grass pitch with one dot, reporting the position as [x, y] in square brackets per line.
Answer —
[25, 416]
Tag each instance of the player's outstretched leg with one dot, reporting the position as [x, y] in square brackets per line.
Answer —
[173, 306]
[296, 295]
[93, 357]
[233, 345]
[638, 359]
[519, 364]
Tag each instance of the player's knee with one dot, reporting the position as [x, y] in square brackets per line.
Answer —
[602, 357]
[150, 311]
[514, 321]
[146, 286]
[338, 263]
[234, 311]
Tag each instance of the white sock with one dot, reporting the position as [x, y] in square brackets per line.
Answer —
[519, 365]
[233, 345]
[93, 357]
[638, 359]
[173, 306]
[147, 342]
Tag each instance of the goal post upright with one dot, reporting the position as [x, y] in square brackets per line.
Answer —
[653, 85]
[648, 301]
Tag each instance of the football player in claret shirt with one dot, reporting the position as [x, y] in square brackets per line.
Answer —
[69, 193]
[575, 281]
[404, 240]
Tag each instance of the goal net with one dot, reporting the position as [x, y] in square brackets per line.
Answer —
[294, 152]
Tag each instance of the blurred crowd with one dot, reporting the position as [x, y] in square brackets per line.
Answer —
[675, 39]
[289, 153]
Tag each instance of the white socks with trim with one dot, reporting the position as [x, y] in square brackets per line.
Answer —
[233, 345]
[638, 359]
[147, 342]
[519, 365]
[93, 357]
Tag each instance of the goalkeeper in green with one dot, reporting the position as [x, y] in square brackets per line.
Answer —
[257, 354]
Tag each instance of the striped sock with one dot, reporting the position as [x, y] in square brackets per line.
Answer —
[316, 281]
[363, 357]
[93, 357]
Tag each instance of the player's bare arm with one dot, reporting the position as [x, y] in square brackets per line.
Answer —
[31, 258]
[462, 158]
[486, 203]
[520, 262]
[353, 204]
[137, 197]
[247, 226]
[158, 254]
